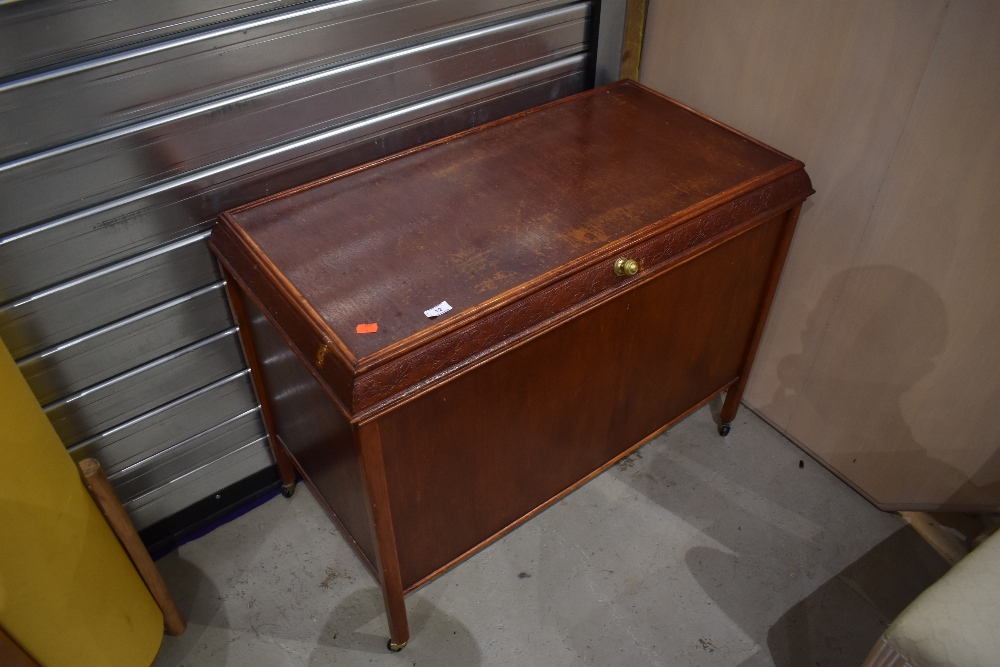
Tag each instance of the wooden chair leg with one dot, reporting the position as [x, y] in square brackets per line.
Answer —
[948, 546]
[100, 489]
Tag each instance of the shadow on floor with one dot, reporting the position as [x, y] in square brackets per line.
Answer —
[781, 526]
[452, 642]
[839, 622]
[200, 602]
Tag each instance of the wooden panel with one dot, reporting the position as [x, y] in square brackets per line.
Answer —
[315, 433]
[828, 82]
[901, 397]
[377, 386]
[482, 451]
[560, 300]
[878, 355]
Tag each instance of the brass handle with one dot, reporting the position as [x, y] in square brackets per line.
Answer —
[626, 267]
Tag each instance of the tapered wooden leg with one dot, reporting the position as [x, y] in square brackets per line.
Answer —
[283, 460]
[729, 408]
[286, 468]
[387, 558]
[735, 392]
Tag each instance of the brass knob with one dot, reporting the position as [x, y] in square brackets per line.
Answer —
[626, 267]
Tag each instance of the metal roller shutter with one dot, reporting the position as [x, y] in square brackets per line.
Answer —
[113, 167]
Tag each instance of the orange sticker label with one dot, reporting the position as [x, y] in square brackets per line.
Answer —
[367, 328]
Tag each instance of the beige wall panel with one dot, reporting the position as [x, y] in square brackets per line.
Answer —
[903, 394]
[829, 82]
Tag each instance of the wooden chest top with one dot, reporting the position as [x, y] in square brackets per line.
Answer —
[486, 217]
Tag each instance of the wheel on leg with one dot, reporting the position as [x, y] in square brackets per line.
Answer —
[288, 489]
[395, 648]
[723, 430]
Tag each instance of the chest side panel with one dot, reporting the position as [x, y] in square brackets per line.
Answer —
[478, 453]
[313, 430]
[255, 276]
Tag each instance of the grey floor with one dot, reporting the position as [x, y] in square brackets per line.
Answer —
[695, 550]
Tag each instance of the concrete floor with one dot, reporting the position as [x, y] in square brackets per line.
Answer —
[696, 550]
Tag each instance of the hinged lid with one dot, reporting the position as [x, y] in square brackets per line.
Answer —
[483, 218]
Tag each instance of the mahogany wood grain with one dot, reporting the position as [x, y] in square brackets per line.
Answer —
[372, 454]
[556, 498]
[338, 524]
[286, 467]
[303, 334]
[380, 376]
[442, 349]
[535, 193]
[521, 428]
[316, 435]
[430, 438]
[735, 393]
[398, 379]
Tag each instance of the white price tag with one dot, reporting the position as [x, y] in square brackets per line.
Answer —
[439, 309]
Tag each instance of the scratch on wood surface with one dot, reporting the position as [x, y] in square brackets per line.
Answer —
[493, 282]
[471, 261]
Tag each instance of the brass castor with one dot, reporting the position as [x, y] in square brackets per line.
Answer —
[395, 648]
[723, 430]
[288, 489]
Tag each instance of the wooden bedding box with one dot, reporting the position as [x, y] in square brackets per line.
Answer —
[603, 266]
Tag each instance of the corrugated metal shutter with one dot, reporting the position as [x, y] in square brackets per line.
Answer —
[114, 165]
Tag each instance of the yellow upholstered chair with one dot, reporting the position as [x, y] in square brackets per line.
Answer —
[69, 595]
